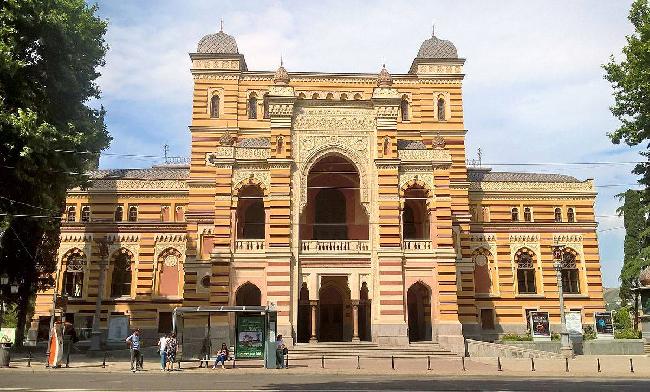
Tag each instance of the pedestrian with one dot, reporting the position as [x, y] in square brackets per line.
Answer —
[172, 345]
[205, 352]
[279, 352]
[134, 344]
[69, 339]
[162, 346]
[222, 356]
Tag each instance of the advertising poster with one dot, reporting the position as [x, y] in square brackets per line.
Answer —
[540, 327]
[573, 322]
[7, 335]
[604, 323]
[250, 337]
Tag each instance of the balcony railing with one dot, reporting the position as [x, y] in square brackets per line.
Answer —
[417, 245]
[335, 246]
[249, 245]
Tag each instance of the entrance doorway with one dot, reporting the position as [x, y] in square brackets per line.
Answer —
[419, 312]
[331, 315]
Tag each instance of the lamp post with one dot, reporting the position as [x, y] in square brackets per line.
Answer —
[96, 338]
[558, 264]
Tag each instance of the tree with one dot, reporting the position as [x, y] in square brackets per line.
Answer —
[50, 52]
[636, 241]
[631, 82]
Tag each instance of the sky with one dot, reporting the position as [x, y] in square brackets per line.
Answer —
[533, 92]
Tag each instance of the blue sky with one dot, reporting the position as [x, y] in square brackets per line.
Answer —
[534, 90]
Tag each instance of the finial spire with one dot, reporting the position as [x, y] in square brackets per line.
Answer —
[433, 30]
[221, 25]
[281, 61]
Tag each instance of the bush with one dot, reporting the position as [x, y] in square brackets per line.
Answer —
[513, 337]
[555, 336]
[622, 319]
[627, 334]
[589, 332]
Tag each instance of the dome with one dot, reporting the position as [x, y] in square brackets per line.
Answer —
[384, 79]
[644, 276]
[281, 76]
[220, 43]
[435, 48]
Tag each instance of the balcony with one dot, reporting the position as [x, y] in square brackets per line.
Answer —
[335, 246]
[416, 245]
[249, 246]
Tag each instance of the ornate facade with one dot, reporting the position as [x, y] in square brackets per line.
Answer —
[343, 199]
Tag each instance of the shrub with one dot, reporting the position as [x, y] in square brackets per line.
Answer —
[513, 337]
[589, 332]
[627, 333]
[622, 319]
[555, 336]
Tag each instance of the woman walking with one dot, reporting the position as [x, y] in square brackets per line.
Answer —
[170, 348]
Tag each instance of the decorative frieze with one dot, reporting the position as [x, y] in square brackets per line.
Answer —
[253, 176]
[135, 185]
[524, 240]
[439, 69]
[514, 186]
[215, 64]
[334, 119]
[429, 156]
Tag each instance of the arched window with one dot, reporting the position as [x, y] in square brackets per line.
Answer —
[168, 275]
[570, 276]
[528, 214]
[248, 295]
[302, 96]
[415, 216]
[441, 109]
[251, 216]
[315, 96]
[73, 277]
[357, 96]
[344, 97]
[515, 214]
[329, 96]
[72, 214]
[386, 146]
[214, 106]
[524, 259]
[121, 274]
[180, 214]
[265, 104]
[119, 214]
[404, 108]
[252, 106]
[133, 214]
[570, 215]
[279, 145]
[482, 273]
[85, 214]
[558, 215]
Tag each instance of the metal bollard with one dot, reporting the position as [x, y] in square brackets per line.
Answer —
[428, 362]
[532, 364]
[29, 358]
[499, 364]
[358, 365]
[631, 366]
[598, 362]
[322, 362]
[392, 362]
[463, 361]
[287, 363]
[234, 362]
[566, 364]
[104, 361]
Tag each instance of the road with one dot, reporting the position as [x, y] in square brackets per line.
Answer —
[78, 381]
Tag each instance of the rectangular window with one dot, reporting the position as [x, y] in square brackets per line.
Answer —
[570, 281]
[526, 281]
[487, 319]
[164, 322]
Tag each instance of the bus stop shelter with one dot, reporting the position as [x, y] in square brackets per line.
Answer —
[255, 329]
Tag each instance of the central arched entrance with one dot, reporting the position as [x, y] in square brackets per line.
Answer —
[330, 315]
[418, 300]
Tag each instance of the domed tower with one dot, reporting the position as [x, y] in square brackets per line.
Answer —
[437, 56]
[218, 51]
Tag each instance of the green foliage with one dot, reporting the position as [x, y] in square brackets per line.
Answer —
[513, 337]
[555, 336]
[631, 82]
[627, 334]
[622, 319]
[589, 333]
[50, 52]
[10, 317]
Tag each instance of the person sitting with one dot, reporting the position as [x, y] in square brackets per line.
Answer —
[222, 356]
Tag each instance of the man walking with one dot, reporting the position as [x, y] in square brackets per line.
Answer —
[134, 343]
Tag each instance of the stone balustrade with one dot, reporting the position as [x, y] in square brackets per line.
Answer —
[257, 245]
[417, 245]
[335, 246]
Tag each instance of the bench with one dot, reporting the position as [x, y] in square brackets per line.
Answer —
[210, 360]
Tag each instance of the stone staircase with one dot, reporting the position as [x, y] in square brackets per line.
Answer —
[343, 350]
[646, 348]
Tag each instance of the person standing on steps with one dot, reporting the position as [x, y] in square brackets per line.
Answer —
[134, 343]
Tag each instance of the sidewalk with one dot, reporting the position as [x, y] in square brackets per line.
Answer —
[583, 366]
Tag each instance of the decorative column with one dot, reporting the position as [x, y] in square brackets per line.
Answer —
[314, 308]
[355, 321]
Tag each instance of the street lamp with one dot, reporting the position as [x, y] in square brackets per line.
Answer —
[96, 338]
[558, 265]
[13, 289]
